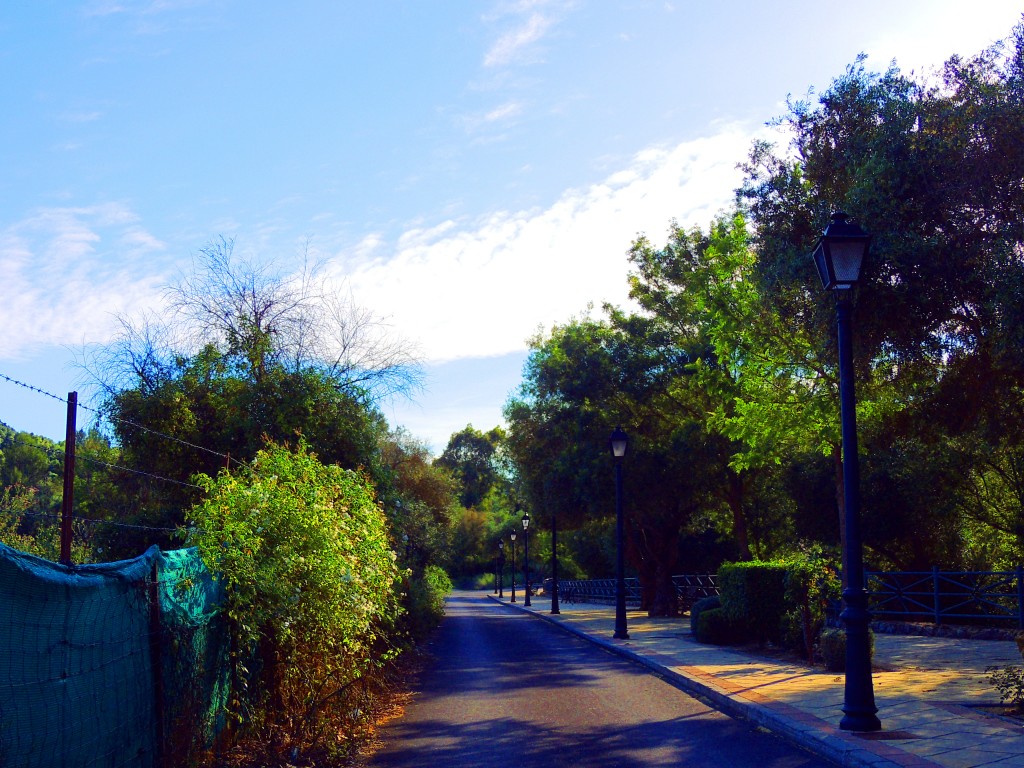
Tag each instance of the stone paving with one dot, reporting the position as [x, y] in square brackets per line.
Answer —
[927, 690]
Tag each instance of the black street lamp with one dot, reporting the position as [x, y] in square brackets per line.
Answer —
[501, 567]
[618, 443]
[526, 558]
[513, 537]
[838, 257]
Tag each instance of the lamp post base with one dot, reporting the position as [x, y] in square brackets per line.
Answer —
[859, 700]
[860, 721]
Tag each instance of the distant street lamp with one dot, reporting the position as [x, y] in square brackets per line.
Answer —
[526, 558]
[501, 567]
[618, 443]
[838, 257]
[513, 537]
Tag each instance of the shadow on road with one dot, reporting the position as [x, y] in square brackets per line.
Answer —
[506, 689]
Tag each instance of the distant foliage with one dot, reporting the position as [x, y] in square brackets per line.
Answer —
[39, 539]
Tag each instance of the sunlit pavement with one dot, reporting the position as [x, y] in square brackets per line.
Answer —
[927, 690]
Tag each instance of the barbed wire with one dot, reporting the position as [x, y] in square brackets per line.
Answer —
[101, 463]
[57, 453]
[34, 389]
[128, 422]
[93, 521]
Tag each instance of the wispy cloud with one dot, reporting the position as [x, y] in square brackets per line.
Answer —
[481, 288]
[137, 7]
[511, 45]
[82, 117]
[69, 271]
[509, 109]
[499, 115]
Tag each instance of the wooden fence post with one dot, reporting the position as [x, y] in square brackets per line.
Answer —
[69, 480]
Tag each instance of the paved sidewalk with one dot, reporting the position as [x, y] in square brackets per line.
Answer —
[925, 690]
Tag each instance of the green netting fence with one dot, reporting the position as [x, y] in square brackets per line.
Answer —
[116, 664]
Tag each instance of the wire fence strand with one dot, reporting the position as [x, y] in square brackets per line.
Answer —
[127, 422]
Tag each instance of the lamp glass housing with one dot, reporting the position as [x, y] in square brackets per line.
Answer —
[839, 253]
[618, 443]
[526, 521]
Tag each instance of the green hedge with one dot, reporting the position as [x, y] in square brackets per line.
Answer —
[716, 627]
[753, 597]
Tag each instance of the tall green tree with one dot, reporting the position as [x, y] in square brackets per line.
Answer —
[934, 170]
[472, 457]
[581, 381]
[247, 356]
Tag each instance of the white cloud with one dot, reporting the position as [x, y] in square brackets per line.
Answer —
[60, 284]
[481, 288]
[935, 39]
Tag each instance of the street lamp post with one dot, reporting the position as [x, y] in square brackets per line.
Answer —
[526, 558]
[513, 537]
[501, 567]
[554, 564]
[838, 257]
[618, 443]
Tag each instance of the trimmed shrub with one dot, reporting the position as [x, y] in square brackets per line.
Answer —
[753, 597]
[704, 604]
[716, 627]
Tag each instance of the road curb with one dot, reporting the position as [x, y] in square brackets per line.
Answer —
[822, 739]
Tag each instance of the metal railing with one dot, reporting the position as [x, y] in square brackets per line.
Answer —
[983, 597]
[597, 591]
[689, 589]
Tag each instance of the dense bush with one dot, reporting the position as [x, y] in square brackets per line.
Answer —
[811, 583]
[753, 597]
[426, 601]
[304, 554]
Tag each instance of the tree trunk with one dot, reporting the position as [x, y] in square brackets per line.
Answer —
[734, 497]
[658, 555]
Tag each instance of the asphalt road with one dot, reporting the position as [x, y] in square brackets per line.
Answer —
[507, 689]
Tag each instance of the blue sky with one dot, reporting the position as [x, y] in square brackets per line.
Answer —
[472, 170]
